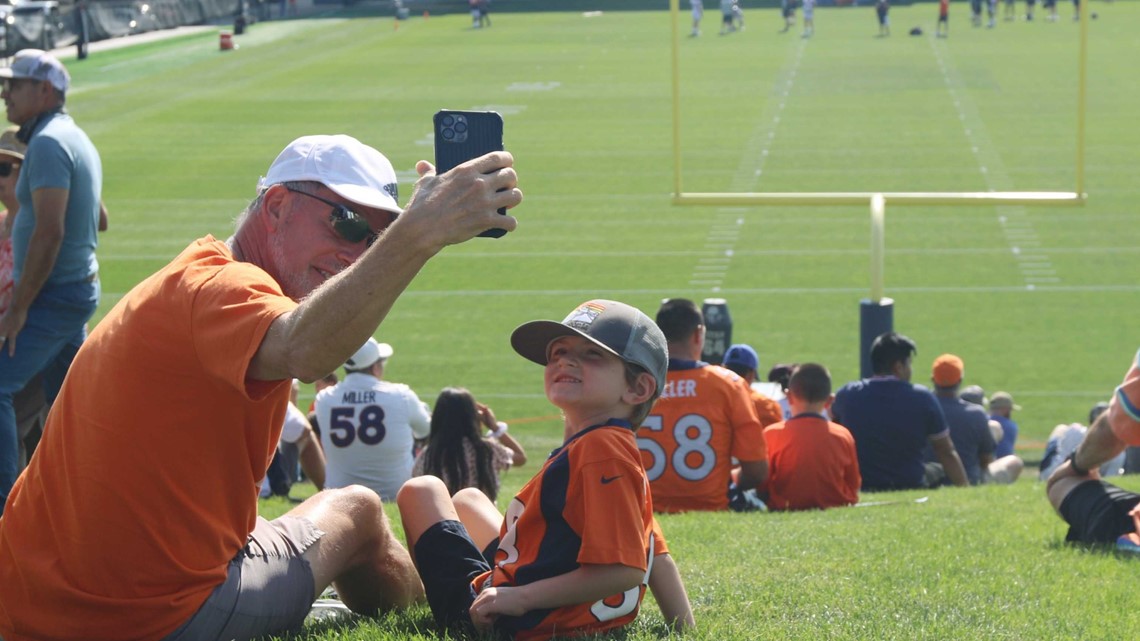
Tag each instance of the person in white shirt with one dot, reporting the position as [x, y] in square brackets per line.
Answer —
[369, 426]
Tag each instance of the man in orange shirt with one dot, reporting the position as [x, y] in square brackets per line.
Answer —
[743, 361]
[703, 420]
[137, 518]
[812, 461]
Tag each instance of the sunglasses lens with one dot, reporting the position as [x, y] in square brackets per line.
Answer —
[350, 226]
[5, 169]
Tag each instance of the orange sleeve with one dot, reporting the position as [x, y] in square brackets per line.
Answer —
[767, 410]
[747, 432]
[230, 318]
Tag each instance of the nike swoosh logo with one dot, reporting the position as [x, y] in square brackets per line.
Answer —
[607, 480]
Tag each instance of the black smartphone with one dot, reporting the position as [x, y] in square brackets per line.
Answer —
[463, 135]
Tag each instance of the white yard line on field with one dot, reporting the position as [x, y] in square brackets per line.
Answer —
[710, 271]
[1015, 223]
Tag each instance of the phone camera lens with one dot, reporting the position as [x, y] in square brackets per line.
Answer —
[460, 127]
[448, 133]
[447, 121]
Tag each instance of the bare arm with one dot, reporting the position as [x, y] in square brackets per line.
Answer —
[332, 322]
[945, 453]
[103, 221]
[312, 458]
[669, 591]
[752, 474]
[586, 584]
[487, 416]
[50, 209]
[519, 458]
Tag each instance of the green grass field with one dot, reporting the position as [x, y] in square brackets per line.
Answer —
[1035, 299]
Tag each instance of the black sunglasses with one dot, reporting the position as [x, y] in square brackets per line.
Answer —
[6, 168]
[348, 224]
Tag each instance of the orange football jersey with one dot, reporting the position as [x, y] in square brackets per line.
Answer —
[704, 418]
[589, 504]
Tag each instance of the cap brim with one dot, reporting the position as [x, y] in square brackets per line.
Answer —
[11, 154]
[366, 196]
[531, 339]
[385, 351]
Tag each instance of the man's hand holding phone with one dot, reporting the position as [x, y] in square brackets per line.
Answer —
[458, 205]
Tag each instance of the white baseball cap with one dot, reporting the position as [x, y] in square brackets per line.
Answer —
[38, 64]
[368, 354]
[342, 163]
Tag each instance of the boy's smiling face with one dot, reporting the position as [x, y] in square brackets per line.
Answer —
[583, 379]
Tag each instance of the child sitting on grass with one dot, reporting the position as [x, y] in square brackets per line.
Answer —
[579, 543]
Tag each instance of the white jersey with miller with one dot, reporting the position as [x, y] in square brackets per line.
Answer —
[368, 431]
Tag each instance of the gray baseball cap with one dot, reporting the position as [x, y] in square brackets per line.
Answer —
[37, 64]
[620, 329]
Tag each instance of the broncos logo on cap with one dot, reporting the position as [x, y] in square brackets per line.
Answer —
[585, 315]
[393, 190]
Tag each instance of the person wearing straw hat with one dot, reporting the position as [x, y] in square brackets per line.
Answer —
[141, 503]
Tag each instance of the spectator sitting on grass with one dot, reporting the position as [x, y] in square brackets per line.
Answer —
[1098, 512]
[371, 425]
[976, 395]
[458, 453]
[781, 375]
[892, 421]
[1001, 410]
[704, 408]
[811, 461]
[969, 427]
[742, 360]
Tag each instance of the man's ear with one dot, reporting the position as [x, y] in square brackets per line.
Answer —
[274, 207]
[642, 390]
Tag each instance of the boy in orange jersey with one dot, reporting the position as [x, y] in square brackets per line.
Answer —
[704, 419]
[579, 543]
[812, 461]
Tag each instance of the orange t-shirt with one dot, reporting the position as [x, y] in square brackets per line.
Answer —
[144, 486]
[811, 464]
[704, 418]
[589, 504]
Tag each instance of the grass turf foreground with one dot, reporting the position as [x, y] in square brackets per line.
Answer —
[1038, 301]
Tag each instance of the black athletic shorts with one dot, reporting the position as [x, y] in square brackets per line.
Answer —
[1097, 512]
[448, 561]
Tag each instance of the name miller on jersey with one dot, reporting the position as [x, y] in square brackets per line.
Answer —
[359, 396]
[680, 389]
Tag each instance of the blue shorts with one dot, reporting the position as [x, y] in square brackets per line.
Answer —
[448, 561]
[1097, 512]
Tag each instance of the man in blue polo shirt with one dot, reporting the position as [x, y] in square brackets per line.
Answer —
[893, 420]
[53, 241]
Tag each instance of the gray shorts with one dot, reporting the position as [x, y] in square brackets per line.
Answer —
[268, 587]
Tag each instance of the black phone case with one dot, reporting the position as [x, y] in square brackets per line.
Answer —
[463, 135]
